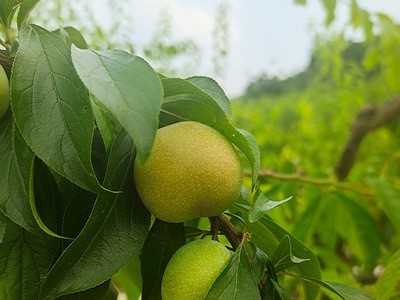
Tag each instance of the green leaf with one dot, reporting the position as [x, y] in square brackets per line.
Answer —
[24, 11]
[366, 239]
[114, 233]
[283, 257]
[77, 211]
[236, 282]
[108, 126]
[99, 155]
[355, 18]
[388, 282]
[343, 291]
[346, 218]
[51, 107]
[262, 233]
[78, 204]
[193, 231]
[330, 7]
[97, 293]
[367, 24]
[259, 262]
[113, 294]
[212, 88]
[236, 218]
[269, 290]
[46, 202]
[129, 279]
[24, 261]
[387, 198]
[280, 290]
[301, 2]
[251, 150]
[161, 243]
[128, 87]
[261, 205]
[3, 221]
[308, 268]
[16, 168]
[263, 238]
[73, 36]
[372, 57]
[185, 101]
[322, 210]
[7, 11]
[309, 218]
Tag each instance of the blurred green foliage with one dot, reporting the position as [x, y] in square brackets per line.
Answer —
[302, 123]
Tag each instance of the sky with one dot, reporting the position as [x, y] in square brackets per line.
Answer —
[265, 36]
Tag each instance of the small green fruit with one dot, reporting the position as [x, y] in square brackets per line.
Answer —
[193, 269]
[193, 171]
[4, 92]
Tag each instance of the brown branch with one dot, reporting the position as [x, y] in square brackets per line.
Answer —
[368, 119]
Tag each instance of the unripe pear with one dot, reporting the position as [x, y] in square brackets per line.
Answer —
[192, 171]
[4, 92]
[192, 270]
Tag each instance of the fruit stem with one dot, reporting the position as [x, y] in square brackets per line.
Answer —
[221, 224]
[215, 225]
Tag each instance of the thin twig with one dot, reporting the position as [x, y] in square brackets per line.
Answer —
[294, 177]
[330, 182]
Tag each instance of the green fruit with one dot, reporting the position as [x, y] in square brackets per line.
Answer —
[193, 171]
[4, 92]
[193, 269]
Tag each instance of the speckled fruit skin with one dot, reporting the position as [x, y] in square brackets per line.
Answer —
[4, 92]
[193, 269]
[193, 171]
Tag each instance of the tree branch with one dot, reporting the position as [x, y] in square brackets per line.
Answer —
[368, 119]
[358, 188]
